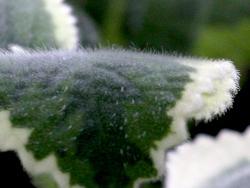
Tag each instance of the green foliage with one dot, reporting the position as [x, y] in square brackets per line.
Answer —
[99, 112]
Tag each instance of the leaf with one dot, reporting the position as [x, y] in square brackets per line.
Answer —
[37, 23]
[224, 162]
[104, 118]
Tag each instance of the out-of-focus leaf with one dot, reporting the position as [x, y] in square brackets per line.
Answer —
[224, 161]
[37, 23]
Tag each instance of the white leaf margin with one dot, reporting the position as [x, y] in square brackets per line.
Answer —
[15, 139]
[210, 93]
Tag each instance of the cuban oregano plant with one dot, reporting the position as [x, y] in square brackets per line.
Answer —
[224, 162]
[104, 118]
[37, 23]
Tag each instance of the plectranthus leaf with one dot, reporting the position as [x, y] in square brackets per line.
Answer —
[222, 162]
[104, 118]
[37, 23]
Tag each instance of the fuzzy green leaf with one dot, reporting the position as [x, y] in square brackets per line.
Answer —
[104, 117]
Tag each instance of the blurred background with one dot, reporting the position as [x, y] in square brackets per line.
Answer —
[207, 28]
